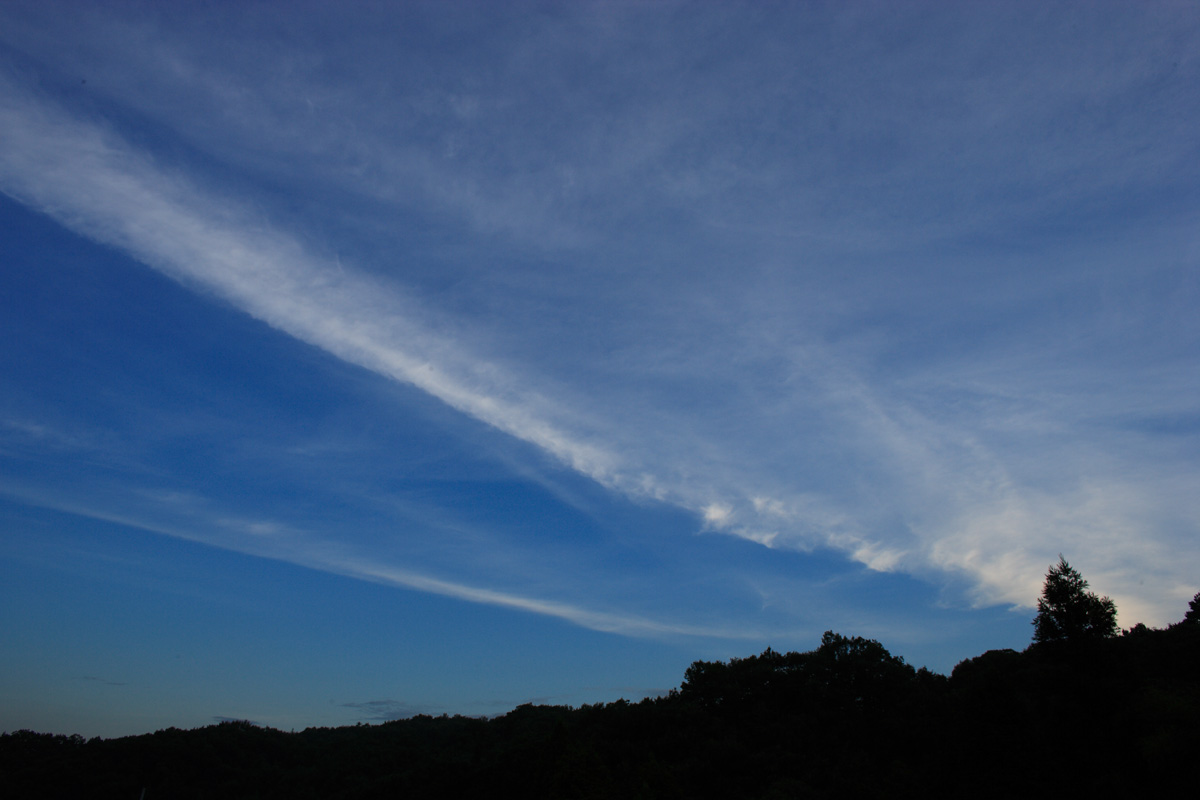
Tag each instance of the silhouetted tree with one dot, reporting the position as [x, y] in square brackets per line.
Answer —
[1192, 616]
[1067, 611]
[845, 720]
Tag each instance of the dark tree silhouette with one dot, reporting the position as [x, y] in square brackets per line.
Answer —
[1067, 611]
[1192, 617]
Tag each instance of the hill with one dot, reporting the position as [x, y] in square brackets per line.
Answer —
[1103, 717]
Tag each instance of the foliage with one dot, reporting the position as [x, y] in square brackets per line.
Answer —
[1192, 617]
[1067, 611]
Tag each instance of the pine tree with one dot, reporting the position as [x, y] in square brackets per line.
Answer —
[1192, 617]
[1067, 611]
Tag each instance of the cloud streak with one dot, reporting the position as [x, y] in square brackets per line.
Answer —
[814, 353]
[87, 178]
[188, 518]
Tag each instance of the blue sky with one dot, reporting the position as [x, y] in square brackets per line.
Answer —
[362, 360]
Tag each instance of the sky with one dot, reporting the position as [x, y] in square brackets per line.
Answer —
[362, 360]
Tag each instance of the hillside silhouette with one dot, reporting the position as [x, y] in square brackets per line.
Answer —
[1102, 716]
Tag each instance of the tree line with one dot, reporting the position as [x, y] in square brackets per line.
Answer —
[1085, 709]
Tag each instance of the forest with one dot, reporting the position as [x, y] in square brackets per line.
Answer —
[1086, 709]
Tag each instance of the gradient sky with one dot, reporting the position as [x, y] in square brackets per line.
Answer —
[362, 360]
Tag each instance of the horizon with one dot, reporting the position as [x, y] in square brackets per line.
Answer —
[372, 360]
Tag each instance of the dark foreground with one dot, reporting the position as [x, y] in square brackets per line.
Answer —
[1102, 718]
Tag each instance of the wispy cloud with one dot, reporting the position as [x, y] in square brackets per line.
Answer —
[389, 710]
[91, 181]
[191, 518]
[93, 679]
[88, 179]
[611, 623]
[770, 309]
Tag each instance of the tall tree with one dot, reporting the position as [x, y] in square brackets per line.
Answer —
[1067, 611]
[1192, 617]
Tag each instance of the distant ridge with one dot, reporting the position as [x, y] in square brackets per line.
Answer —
[1106, 717]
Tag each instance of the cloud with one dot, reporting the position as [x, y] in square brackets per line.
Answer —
[92, 182]
[94, 679]
[191, 518]
[718, 515]
[595, 620]
[87, 178]
[389, 710]
[805, 314]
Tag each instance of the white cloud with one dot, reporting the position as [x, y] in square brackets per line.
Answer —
[89, 180]
[186, 516]
[703, 381]
[600, 621]
[718, 515]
